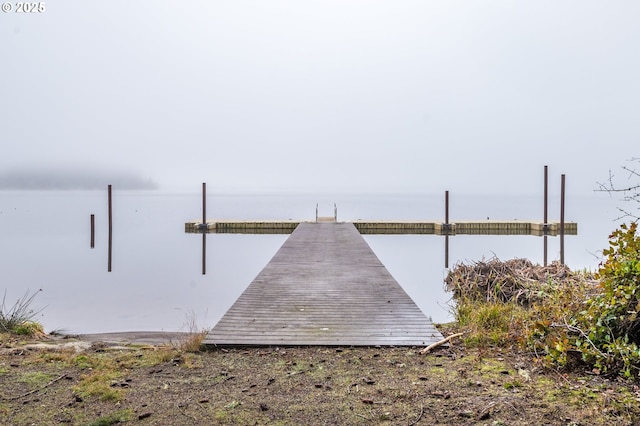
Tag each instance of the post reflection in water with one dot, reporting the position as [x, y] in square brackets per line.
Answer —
[204, 253]
[110, 238]
[446, 251]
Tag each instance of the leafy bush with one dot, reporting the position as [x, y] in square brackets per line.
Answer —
[565, 318]
[608, 330]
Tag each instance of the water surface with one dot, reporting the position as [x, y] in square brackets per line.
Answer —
[156, 281]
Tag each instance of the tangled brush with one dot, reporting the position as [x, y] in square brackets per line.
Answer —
[516, 280]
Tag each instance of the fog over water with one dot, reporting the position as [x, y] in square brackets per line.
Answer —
[280, 104]
[72, 178]
[324, 96]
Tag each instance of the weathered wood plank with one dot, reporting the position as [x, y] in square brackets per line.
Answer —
[325, 286]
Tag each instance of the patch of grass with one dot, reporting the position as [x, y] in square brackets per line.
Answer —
[29, 328]
[437, 370]
[488, 324]
[222, 417]
[83, 362]
[113, 418]
[35, 378]
[191, 360]
[148, 357]
[512, 385]
[193, 342]
[18, 319]
[195, 334]
[64, 357]
[103, 370]
[99, 384]
[492, 366]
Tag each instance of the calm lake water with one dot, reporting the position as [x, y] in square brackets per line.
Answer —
[156, 281]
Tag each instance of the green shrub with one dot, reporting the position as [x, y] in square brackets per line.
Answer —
[561, 316]
[609, 327]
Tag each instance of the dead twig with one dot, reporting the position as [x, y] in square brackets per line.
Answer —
[439, 343]
[574, 329]
[36, 390]
[419, 417]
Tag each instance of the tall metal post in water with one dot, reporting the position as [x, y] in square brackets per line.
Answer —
[446, 229]
[204, 203]
[562, 193]
[204, 228]
[93, 230]
[204, 253]
[446, 207]
[110, 228]
[545, 225]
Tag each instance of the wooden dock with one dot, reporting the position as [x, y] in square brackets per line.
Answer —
[462, 227]
[324, 286]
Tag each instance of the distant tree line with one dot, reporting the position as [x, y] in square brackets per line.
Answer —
[70, 180]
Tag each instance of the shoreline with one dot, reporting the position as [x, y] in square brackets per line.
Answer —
[129, 337]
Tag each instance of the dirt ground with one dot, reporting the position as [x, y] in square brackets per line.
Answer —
[96, 383]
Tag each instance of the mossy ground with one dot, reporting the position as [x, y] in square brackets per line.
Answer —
[152, 385]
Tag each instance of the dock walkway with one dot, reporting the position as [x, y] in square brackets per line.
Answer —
[324, 286]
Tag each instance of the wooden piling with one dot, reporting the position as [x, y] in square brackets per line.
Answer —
[93, 230]
[546, 207]
[204, 203]
[204, 253]
[110, 229]
[446, 251]
[446, 207]
[562, 194]
[447, 228]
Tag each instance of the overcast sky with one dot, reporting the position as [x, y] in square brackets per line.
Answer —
[470, 96]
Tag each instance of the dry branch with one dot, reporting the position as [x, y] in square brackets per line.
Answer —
[36, 390]
[415, 422]
[439, 343]
[515, 280]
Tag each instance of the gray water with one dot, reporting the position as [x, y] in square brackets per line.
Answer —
[156, 281]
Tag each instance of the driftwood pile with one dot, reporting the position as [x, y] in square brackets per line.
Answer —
[515, 280]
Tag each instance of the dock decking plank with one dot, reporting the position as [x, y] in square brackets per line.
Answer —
[324, 286]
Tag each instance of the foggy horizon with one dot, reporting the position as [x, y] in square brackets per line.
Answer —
[76, 178]
[332, 96]
[71, 179]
